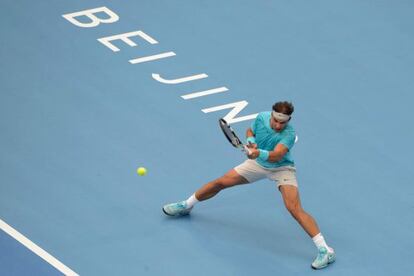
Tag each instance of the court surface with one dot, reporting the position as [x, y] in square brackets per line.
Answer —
[77, 117]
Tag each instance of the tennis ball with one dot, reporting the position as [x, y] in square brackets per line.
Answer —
[142, 171]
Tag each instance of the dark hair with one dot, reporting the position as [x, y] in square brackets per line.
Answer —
[284, 107]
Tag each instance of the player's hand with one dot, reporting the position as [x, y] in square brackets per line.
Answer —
[251, 146]
[254, 153]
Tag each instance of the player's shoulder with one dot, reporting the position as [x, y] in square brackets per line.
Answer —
[264, 115]
[289, 129]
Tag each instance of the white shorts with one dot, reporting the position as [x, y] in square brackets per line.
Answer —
[252, 171]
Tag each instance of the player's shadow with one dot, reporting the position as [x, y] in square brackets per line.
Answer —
[216, 232]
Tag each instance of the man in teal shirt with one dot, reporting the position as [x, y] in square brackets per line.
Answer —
[267, 138]
[270, 140]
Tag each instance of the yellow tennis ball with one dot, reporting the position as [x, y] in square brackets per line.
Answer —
[142, 171]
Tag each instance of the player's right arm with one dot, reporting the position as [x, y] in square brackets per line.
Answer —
[249, 132]
[251, 143]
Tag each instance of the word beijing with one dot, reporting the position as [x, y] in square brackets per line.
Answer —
[93, 20]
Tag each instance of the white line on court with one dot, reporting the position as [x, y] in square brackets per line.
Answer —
[204, 93]
[36, 249]
[151, 58]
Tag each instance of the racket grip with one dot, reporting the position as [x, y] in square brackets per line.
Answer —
[247, 150]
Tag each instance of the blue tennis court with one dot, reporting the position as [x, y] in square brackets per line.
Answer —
[84, 103]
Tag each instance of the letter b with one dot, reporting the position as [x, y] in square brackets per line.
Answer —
[95, 21]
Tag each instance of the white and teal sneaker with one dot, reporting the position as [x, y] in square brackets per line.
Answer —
[324, 258]
[177, 209]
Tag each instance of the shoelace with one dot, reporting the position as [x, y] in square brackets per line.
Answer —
[321, 255]
[181, 204]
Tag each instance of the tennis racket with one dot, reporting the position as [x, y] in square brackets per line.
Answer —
[232, 137]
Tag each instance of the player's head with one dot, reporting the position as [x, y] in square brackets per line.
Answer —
[281, 115]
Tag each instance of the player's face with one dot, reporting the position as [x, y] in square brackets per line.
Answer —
[277, 125]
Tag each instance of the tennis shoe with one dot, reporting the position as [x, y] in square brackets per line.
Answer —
[177, 209]
[324, 258]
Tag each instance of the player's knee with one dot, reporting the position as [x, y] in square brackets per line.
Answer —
[294, 209]
[219, 185]
[223, 183]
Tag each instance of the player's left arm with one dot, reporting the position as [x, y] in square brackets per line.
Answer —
[271, 156]
[277, 153]
[281, 148]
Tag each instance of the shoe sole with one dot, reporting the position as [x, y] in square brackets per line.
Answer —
[166, 212]
[329, 262]
[317, 268]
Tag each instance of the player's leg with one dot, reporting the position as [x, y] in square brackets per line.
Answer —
[231, 178]
[207, 191]
[292, 202]
[247, 172]
[291, 199]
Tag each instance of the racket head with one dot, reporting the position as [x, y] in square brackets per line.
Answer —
[230, 134]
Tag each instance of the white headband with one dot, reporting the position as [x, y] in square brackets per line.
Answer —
[280, 116]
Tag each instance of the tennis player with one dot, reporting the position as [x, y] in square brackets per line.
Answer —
[270, 140]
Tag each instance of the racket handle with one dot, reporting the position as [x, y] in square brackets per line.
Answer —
[246, 149]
